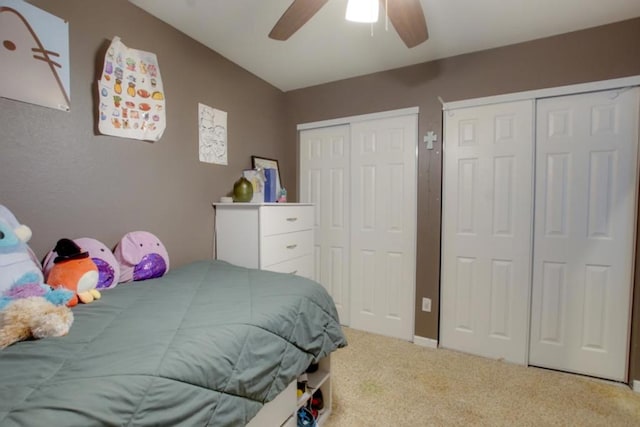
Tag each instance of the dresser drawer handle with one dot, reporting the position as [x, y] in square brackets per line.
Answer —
[292, 246]
[292, 219]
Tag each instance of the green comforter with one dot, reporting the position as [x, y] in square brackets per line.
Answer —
[206, 345]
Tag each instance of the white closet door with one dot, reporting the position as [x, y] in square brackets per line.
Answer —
[324, 181]
[383, 225]
[486, 231]
[585, 215]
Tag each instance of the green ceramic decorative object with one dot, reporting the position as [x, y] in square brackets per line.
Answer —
[242, 190]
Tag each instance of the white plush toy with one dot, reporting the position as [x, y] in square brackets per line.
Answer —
[17, 260]
[33, 317]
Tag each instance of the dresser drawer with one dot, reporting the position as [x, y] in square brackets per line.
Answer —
[302, 266]
[282, 247]
[285, 219]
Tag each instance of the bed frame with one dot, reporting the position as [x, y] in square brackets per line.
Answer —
[282, 410]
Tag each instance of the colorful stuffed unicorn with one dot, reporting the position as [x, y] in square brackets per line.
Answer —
[30, 286]
[18, 264]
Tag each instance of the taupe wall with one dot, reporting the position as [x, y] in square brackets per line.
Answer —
[63, 180]
[601, 53]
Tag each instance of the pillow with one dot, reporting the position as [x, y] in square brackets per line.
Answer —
[141, 256]
[101, 255]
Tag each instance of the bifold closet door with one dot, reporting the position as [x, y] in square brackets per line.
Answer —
[362, 179]
[324, 181]
[584, 238]
[383, 225]
[486, 231]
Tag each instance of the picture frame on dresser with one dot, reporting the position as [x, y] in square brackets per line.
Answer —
[264, 163]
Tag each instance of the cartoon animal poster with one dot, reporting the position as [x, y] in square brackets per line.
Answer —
[212, 131]
[132, 102]
[34, 55]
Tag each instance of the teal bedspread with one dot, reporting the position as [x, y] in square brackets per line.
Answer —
[206, 345]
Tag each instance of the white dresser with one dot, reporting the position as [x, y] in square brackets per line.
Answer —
[269, 236]
[276, 237]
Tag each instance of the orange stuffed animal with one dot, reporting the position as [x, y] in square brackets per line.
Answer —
[74, 270]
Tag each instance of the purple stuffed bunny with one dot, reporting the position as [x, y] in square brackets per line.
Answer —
[141, 256]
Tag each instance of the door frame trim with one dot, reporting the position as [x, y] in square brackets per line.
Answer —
[360, 118]
[576, 89]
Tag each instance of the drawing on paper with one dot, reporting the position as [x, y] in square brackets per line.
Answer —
[212, 131]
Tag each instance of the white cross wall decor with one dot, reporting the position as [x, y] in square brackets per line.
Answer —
[430, 138]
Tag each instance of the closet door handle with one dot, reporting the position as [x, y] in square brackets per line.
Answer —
[292, 219]
[291, 246]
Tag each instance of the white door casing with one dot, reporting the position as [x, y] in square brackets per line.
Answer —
[586, 189]
[324, 181]
[383, 225]
[486, 230]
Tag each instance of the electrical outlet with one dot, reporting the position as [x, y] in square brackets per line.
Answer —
[426, 304]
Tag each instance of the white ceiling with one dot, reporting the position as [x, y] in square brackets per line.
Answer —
[328, 48]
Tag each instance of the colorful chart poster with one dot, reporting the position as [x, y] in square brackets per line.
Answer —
[34, 55]
[132, 102]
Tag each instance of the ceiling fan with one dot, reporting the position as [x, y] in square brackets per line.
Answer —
[406, 16]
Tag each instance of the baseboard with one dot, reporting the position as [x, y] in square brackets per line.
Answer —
[636, 386]
[427, 342]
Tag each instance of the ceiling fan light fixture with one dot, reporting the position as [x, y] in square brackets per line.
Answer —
[362, 11]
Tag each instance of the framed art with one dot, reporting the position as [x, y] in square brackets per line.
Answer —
[264, 163]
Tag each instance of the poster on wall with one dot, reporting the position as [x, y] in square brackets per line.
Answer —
[34, 55]
[132, 102]
[212, 133]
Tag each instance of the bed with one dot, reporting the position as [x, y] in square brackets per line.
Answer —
[208, 344]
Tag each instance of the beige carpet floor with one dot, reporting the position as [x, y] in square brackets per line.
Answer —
[381, 381]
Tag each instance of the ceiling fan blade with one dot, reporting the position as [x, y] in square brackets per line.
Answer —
[295, 17]
[407, 18]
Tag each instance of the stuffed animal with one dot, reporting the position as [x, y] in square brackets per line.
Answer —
[102, 257]
[33, 288]
[74, 270]
[16, 258]
[33, 317]
[141, 256]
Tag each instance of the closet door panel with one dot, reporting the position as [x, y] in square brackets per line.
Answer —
[584, 232]
[486, 234]
[383, 225]
[324, 181]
